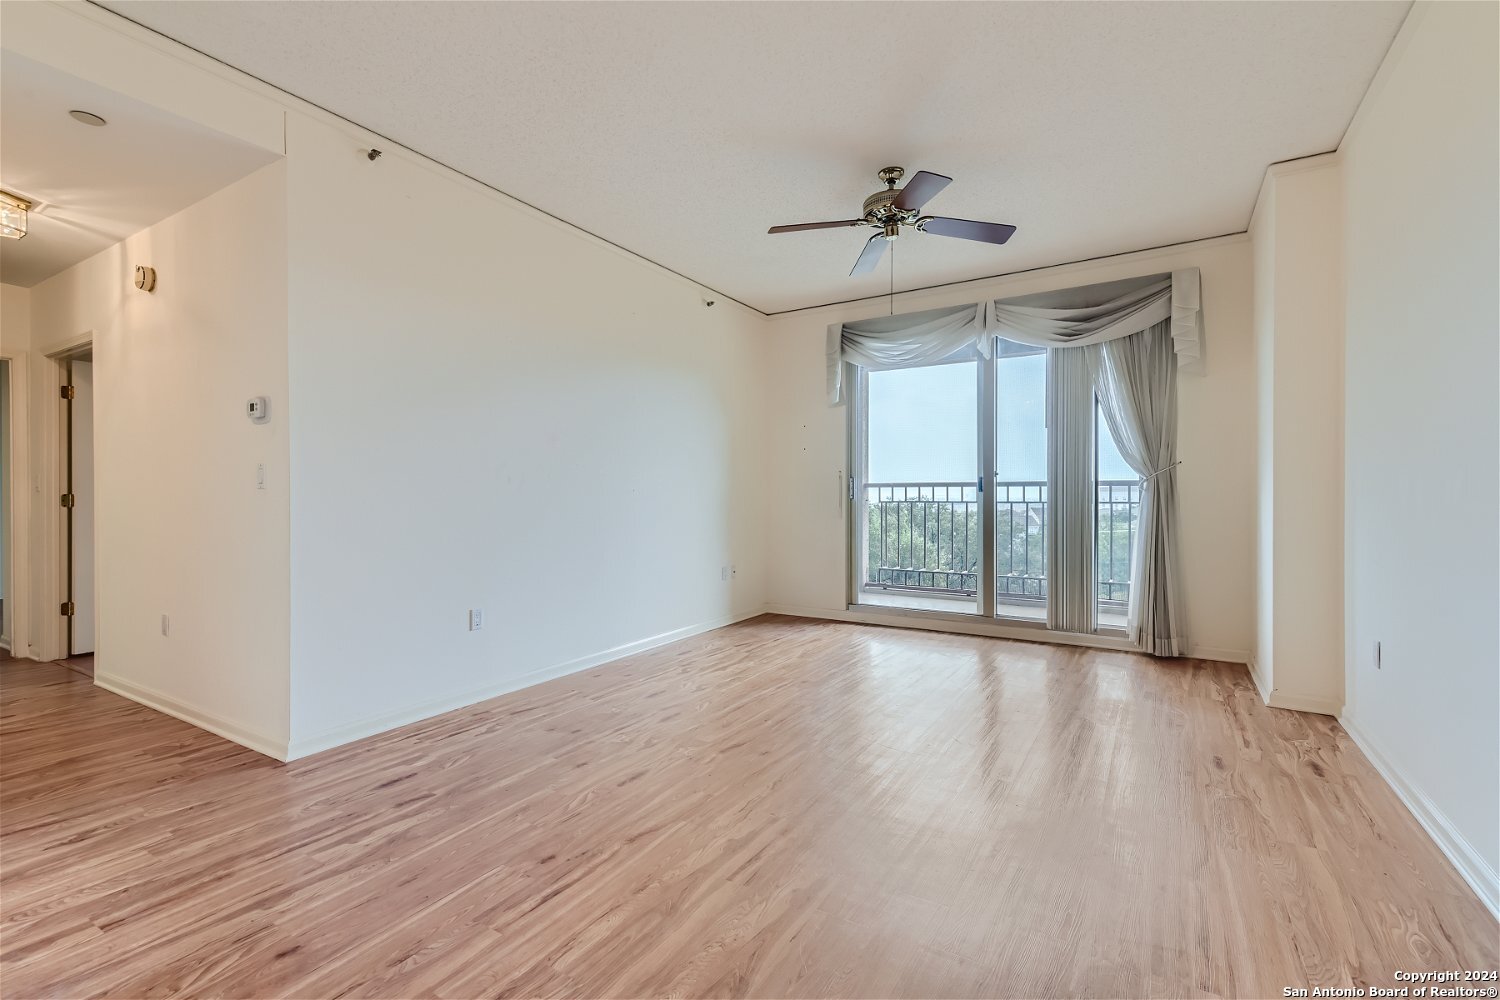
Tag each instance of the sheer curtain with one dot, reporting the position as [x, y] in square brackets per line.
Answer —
[1070, 490]
[1135, 380]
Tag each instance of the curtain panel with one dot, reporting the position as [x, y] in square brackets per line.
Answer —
[1125, 352]
[957, 332]
[908, 341]
[1071, 492]
[1135, 381]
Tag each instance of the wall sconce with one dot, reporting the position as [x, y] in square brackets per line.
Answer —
[13, 215]
[145, 278]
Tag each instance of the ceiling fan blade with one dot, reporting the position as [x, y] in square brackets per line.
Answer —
[814, 225]
[920, 189]
[870, 255]
[984, 232]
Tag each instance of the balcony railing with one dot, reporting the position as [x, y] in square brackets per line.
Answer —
[925, 538]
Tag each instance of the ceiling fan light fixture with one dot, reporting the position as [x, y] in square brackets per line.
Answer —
[890, 209]
[13, 211]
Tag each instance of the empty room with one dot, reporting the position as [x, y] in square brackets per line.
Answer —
[749, 499]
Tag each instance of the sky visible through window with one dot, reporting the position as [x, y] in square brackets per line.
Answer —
[923, 424]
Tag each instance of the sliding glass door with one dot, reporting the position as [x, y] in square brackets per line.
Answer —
[916, 489]
[1020, 397]
[951, 494]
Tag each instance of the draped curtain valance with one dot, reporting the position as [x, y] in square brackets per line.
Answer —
[966, 331]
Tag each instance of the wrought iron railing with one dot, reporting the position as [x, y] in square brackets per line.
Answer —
[1021, 542]
[1118, 508]
[925, 537]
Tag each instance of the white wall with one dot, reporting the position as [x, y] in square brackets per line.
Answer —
[1421, 417]
[495, 411]
[1263, 239]
[5, 501]
[549, 429]
[15, 345]
[15, 320]
[15, 341]
[807, 535]
[181, 528]
[1299, 384]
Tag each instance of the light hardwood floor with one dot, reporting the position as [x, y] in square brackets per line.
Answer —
[780, 808]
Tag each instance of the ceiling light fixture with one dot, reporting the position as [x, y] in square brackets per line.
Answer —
[88, 118]
[13, 215]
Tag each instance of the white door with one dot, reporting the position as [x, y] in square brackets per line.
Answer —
[82, 550]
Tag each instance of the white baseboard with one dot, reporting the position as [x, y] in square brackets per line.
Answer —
[362, 728]
[1220, 653]
[192, 715]
[1473, 867]
[896, 618]
[1259, 677]
[979, 626]
[1294, 702]
[1305, 703]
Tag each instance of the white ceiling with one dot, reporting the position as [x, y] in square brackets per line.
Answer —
[97, 185]
[683, 130]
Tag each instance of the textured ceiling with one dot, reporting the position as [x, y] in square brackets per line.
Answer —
[683, 130]
[97, 186]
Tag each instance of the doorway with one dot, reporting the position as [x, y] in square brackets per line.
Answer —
[79, 605]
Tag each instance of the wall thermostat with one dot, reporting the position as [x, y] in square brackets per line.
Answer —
[145, 278]
[258, 410]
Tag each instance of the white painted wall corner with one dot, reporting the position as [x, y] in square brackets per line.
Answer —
[231, 731]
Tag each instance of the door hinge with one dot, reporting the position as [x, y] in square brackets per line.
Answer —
[68, 499]
[67, 392]
[851, 487]
[67, 608]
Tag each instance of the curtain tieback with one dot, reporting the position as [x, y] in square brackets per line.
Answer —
[1158, 472]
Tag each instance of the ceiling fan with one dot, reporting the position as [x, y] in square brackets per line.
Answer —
[893, 208]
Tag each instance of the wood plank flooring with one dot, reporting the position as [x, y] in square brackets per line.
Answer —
[782, 808]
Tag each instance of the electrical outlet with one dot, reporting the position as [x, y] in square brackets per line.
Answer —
[476, 619]
[723, 572]
[166, 625]
[260, 477]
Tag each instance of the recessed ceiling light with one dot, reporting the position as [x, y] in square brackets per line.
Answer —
[87, 117]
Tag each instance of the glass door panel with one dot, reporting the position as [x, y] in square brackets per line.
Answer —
[918, 479]
[1020, 482]
[1115, 521]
